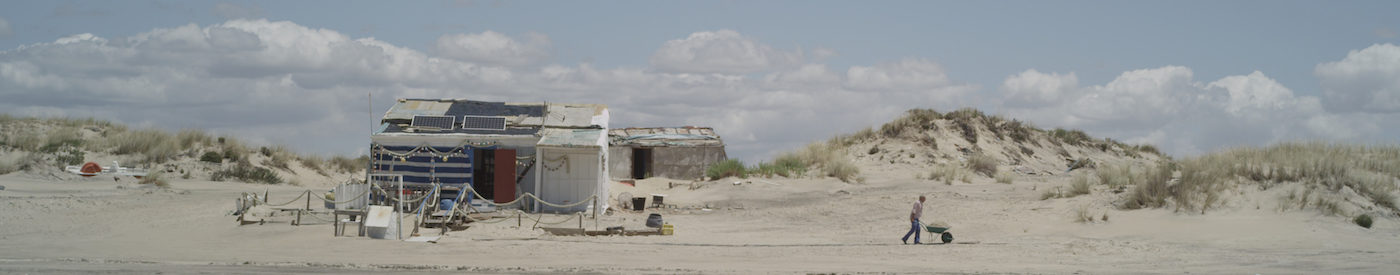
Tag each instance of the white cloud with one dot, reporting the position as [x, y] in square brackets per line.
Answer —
[725, 52]
[1032, 88]
[495, 48]
[1168, 107]
[5, 30]
[287, 83]
[1257, 97]
[1367, 80]
[904, 74]
[283, 82]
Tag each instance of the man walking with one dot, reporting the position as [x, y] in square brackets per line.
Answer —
[914, 216]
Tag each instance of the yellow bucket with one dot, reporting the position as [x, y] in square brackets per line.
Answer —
[667, 229]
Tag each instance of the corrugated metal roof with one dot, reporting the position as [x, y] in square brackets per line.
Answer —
[665, 136]
[407, 108]
[521, 118]
[572, 115]
[572, 137]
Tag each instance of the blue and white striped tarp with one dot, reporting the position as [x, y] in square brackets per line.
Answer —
[425, 166]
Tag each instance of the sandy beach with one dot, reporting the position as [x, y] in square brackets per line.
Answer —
[757, 226]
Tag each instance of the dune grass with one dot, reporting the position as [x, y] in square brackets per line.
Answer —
[727, 168]
[1369, 171]
[67, 139]
[917, 119]
[1082, 214]
[1071, 137]
[827, 158]
[982, 164]
[313, 163]
[247, 173]
[1005, 177]
[1081, 184]
[14, 161]
[156, 178]
[948, 173]
[965, 120]
[1150, 190]
[1116, 176]
[346, 165]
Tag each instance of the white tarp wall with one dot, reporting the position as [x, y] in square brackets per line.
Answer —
[573, 168]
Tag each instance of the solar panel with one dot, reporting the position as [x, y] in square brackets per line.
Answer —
[483, 123]
[438, 122]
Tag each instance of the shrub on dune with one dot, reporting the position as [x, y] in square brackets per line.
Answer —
[726, 168]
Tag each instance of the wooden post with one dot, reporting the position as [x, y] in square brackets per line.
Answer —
[517, 220]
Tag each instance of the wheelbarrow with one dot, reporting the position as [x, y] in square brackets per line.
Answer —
[943, 234]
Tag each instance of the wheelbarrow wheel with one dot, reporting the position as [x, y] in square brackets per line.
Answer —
[947, 237]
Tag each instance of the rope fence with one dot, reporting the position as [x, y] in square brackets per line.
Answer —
[249, 200]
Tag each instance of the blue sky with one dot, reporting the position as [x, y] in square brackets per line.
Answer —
[955, 54]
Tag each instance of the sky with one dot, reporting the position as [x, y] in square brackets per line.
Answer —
[770, 76]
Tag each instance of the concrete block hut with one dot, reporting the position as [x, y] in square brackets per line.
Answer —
[674, 152]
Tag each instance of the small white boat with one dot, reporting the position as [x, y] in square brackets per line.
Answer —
[91, 169]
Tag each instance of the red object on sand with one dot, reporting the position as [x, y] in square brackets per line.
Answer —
[91, 169]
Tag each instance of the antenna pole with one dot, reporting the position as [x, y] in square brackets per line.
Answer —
[369, 163]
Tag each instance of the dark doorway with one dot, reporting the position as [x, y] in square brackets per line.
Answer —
[503, 179]
[641, 163]
[484, 172]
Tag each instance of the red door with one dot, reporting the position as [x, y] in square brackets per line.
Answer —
[504, 175]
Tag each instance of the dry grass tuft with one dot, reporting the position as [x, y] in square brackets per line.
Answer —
[1005, 177]
[946, 173]
[347, 165]
[156, 178]
[1151, 191]
[278, 157]
[790, 165]
[966, 120]
[155, 145]
[193, 138]
[1080, 185]
[727, 168]
[983, 164]
[15, 161]
[843, 169]
[1071, 137]
[247, 173]
[1082, 214]
[313, 163]
[1116, 176]
[914, 119]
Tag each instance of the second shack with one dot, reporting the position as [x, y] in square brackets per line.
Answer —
[670, 152]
